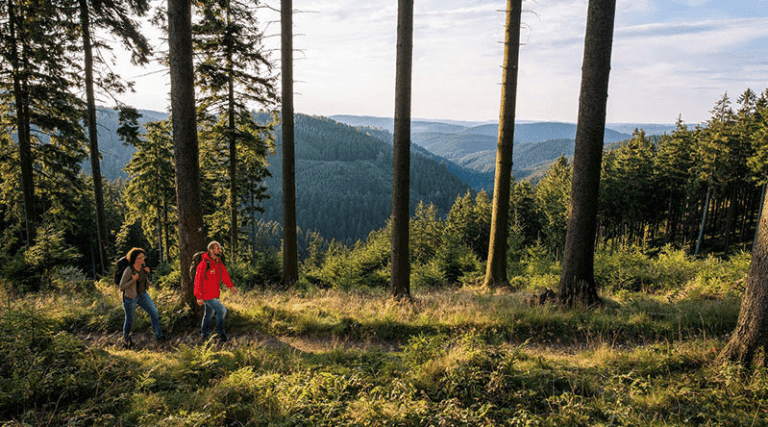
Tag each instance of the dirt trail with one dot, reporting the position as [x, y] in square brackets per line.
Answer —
[147, 341]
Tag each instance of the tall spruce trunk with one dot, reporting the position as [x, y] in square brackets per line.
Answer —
[233, 188]
[730, 218]
[704, 212]
[496, 270]
[401, 161]
[185, 143]
[23, 129]
[577, 282]
[750, 337]
[93, 135]
[759, 215]
[290, 250]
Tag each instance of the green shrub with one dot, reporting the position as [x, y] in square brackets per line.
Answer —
[428, 276]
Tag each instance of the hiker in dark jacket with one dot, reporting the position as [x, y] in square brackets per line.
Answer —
[134, 285]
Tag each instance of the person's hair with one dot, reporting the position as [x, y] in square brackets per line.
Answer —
[210, 245]
[128, 254]
[133, 254]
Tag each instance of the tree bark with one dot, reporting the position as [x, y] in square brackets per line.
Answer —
[185, 143]
[233, 189]
[22, 125]
[577, 282]
[750, 337]
[401, 162]
[730, 217]
[700, 239]
[290, 250]
[496, 269]
[93, 135]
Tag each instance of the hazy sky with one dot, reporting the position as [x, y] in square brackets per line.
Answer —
[670, 58]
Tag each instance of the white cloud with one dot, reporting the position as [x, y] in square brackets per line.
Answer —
[660, 69]
[690, 64]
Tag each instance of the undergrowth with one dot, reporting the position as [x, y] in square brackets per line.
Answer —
[456, 356]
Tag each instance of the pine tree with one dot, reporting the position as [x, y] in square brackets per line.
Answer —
[749, 339]
[114, 17]
[290, 250]
[185, 142]
[577, 282]
[150, 194]
[38, 74]
[233, 72]
[401, 268]
[496, 272]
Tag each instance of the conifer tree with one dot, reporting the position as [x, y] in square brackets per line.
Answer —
[401, 268]
[185, 142]
[233, 73]
[115, 17]
[496, 271]
[675, 161]
[38, 70]
[290, 242]
[577, 281]
[552, 195]
[150, 194]
[749, 339]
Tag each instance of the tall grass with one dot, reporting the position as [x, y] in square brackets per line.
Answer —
[352, 357]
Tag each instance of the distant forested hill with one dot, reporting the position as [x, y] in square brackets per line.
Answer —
[344, 180]
[114, 154]
[343, 175]
[469, 148]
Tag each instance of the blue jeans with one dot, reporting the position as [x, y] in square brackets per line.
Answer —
[144, 301]
[213, 306]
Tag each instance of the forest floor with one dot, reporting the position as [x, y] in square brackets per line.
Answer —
[146, 341]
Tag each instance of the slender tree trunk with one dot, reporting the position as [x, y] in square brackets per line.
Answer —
[93, 135]
[185, 144]
[290, 250]
[167, 257]
[496, 270]
[671, 223]
[577, 282]
[158, 207]
[759, 216]
[746, 203]
[730, 215]
[233, 190]
[234, 229]
[717, 215]
[22, 125]
[401, 162]
[750, 337]
[703, 221]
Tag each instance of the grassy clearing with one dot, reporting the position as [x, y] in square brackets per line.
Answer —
[456, 357]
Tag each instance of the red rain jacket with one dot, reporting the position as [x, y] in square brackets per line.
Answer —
[207, 282]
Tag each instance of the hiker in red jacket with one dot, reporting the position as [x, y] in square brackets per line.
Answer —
[209, 275]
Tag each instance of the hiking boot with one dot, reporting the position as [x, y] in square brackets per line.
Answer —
[222, 337]
[127, 342]
[162, 338]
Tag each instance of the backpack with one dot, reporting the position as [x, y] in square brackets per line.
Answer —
[196, 259]
[120, 267]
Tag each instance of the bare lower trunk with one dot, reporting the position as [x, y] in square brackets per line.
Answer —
[577, 282]
[22, 126]
[290, 250]
[185, 144]
[93, 138]
[496, 271]
[401, 164]
[750, 337]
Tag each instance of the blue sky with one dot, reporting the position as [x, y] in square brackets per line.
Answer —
[670, 58]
